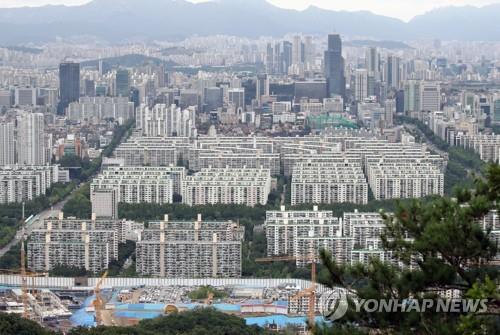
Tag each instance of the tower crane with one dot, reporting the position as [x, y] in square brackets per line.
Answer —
[99, 301]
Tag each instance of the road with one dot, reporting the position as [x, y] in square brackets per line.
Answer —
[429, 144]
[38, 222]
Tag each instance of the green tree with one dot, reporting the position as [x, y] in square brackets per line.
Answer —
[448, 249]
[14, 325]
[196, 322]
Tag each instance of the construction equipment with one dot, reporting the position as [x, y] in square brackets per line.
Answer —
[25, 287]
[210, 298]
[308, 292]
[99, 303]
[170, 309]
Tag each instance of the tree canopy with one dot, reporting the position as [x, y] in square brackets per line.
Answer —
[441, 247]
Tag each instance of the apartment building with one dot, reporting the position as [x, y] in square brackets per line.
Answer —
[302, 234]
[24, 183]
[190, 249]
[141, 184]
[95, 109]
[246, 186]
[165, 121]
[400, 180]
[328, 182]
[153, 151]
[90, 244]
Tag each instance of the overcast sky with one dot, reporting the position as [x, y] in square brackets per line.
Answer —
[403, 9]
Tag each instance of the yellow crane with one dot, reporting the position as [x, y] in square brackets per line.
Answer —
[309, 292]
[99, 303]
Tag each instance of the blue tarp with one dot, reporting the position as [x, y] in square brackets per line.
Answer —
[83, 318]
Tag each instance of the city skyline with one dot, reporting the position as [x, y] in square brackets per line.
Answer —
[390, 8]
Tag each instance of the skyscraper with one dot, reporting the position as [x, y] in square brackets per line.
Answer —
[270, 59]
[412, 96]
[122, 83]
[31, 139]
[287, 56]
[297, 50]
[309, 52]
[69, 85]
[237, 97]
[361, 84]
[372, 61]
[393, 72]
[334, 66]
[7, 156]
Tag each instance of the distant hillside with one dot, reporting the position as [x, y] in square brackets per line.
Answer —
[132, 60]
[22, 49]
[378, 44]
[126, 20]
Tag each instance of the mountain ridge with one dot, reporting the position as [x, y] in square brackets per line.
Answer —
[123, 20]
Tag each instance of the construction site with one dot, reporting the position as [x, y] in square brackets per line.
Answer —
[62, 303]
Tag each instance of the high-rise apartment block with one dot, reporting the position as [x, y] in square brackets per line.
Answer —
[302, 234]
[7, 144]
[165, 121]
[328, 182]
[95, 109]
[88, 244]
[31, 148]
[24, 183]
[190, 249]
[140, 184]
[246, 186]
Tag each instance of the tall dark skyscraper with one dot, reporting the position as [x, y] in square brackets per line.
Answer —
[334, 67]
[122, 83]
[69, 85]
[287, 56]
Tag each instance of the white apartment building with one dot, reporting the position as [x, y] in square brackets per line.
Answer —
[190, 249]
[7, 144]
[361, 84]
[166, 121]
[31, 144]
[327, 183]
[153, 151]
[302, 234]
[95, 109]
[141, 184]
[246, 186]
[24, 183]
[399, 180]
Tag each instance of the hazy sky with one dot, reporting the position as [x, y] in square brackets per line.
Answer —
[403, 9]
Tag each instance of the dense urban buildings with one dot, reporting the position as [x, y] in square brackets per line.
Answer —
[276, 139]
